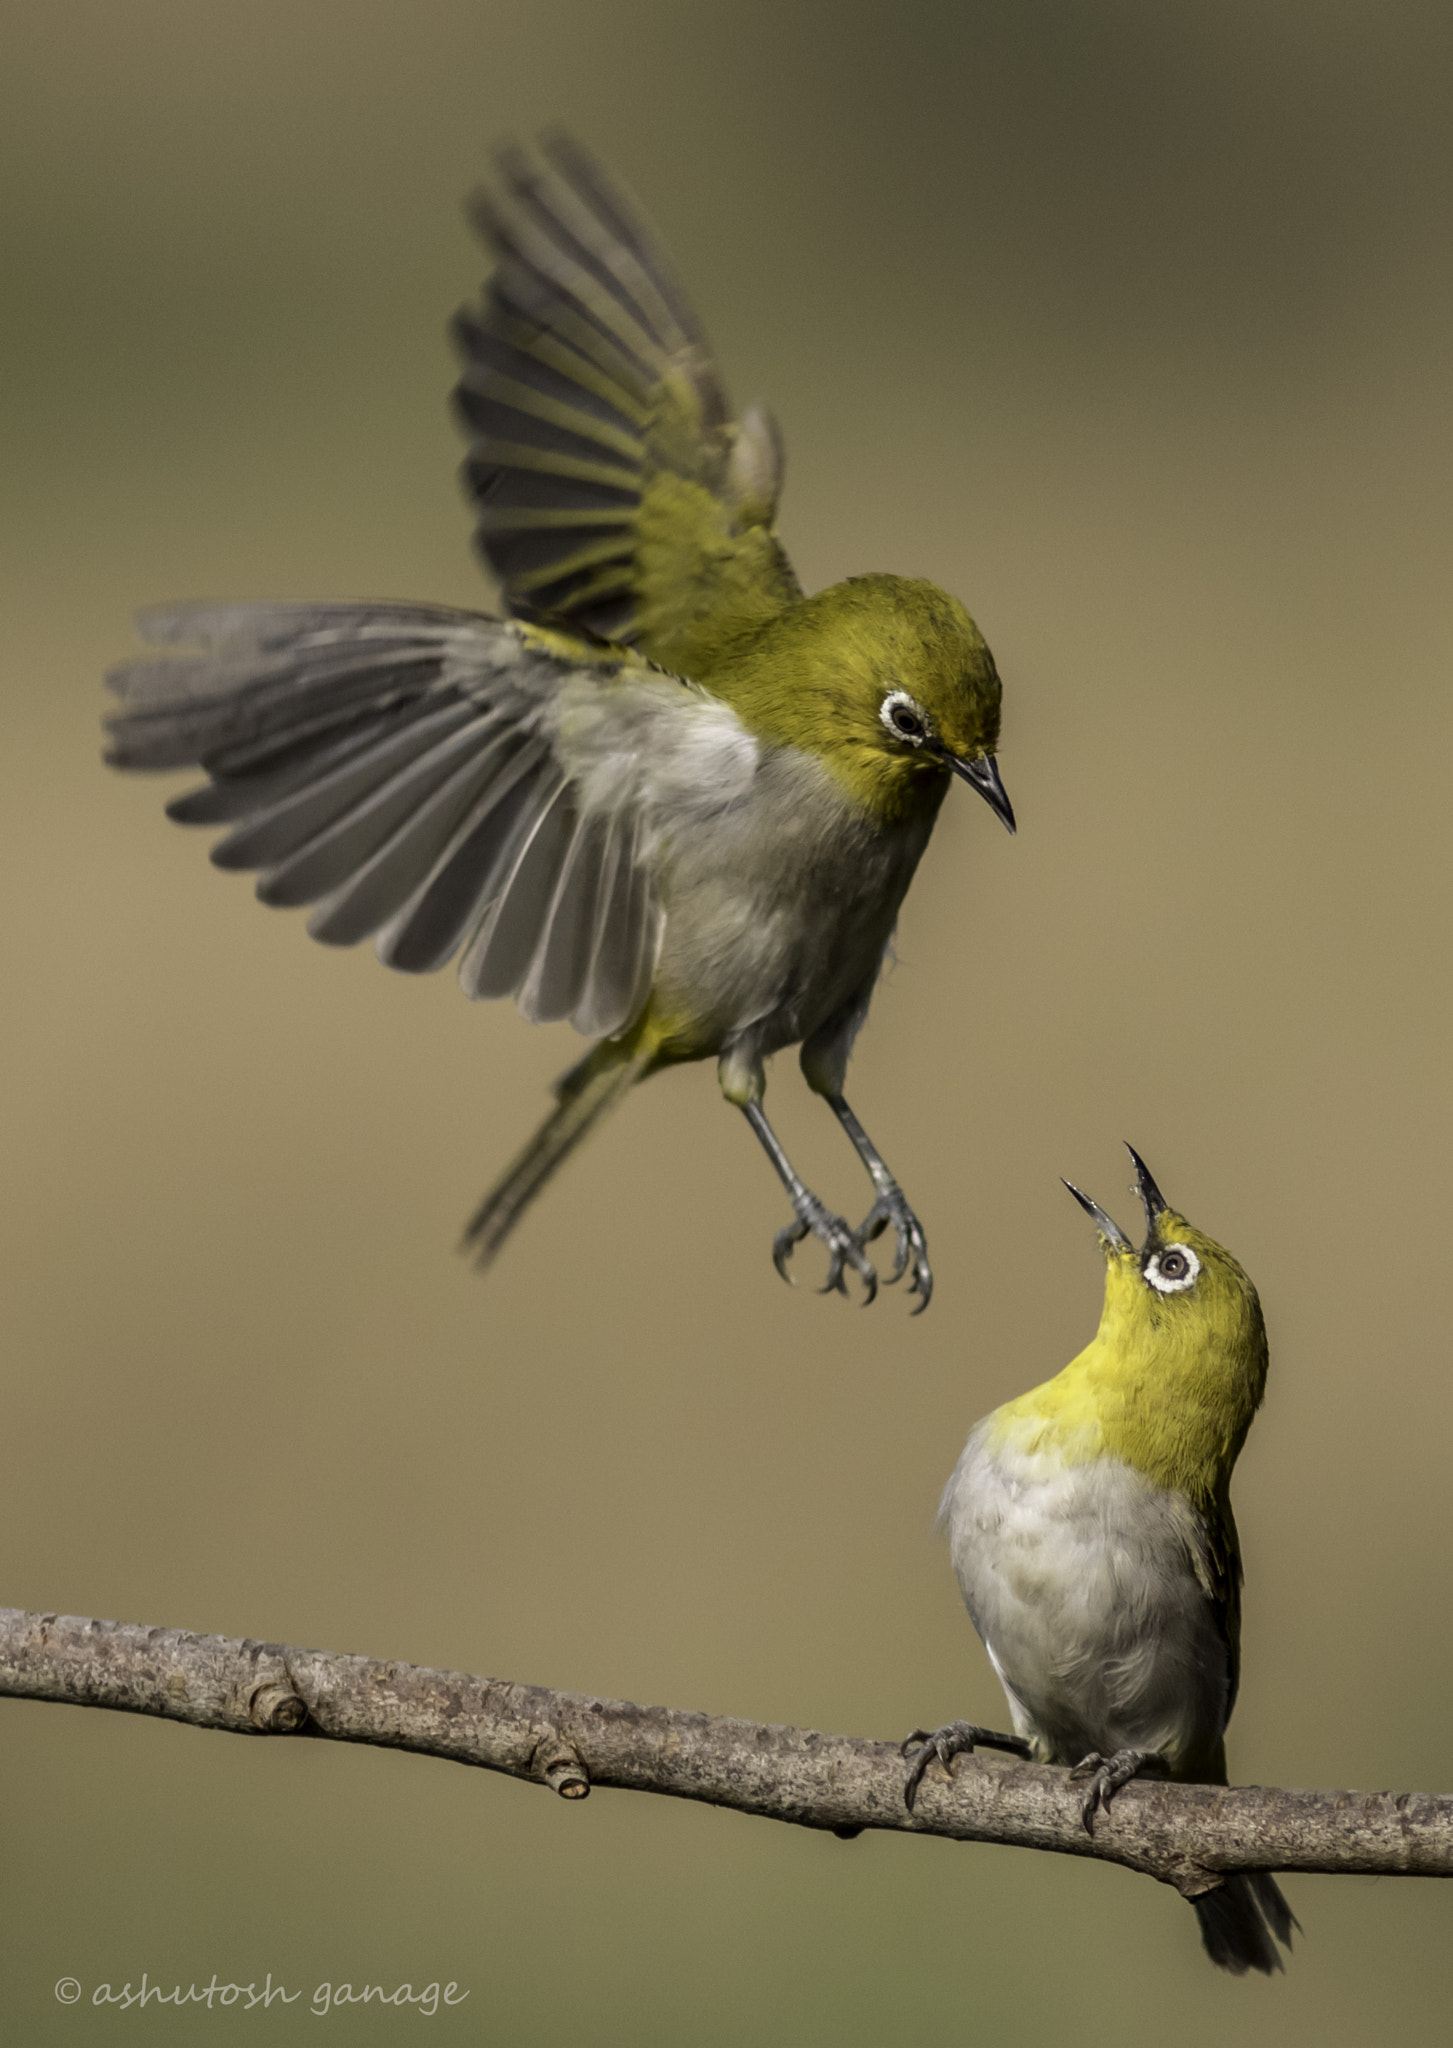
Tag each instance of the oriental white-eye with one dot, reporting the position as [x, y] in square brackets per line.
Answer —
[1090, 1527]
[670, 797]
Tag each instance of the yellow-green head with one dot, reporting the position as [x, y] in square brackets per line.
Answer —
[887, 679]
[1177, 1367]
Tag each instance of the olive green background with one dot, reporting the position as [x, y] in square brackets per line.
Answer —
[1130, 324]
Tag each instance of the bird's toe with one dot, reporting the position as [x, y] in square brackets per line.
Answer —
[910, 1251]
[955, 1738]
[784, 1244]
[843, 1248]
[1106, 1775]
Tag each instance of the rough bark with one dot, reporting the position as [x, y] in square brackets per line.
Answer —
[1189, 1836]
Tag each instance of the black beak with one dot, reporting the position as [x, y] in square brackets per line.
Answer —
[1152, 1200]
[1108, 1228]
[983, 775]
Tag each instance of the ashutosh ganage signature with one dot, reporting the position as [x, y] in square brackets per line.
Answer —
[326, 1997]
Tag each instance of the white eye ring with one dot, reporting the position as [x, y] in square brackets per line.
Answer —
[1173, 1283]
[899, 700]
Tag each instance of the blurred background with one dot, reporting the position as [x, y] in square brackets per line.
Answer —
[1130, 324]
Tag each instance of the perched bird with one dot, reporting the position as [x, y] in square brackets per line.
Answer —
[1091, 1533]
[670, 797]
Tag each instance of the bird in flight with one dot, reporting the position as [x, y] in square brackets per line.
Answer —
[668, 797]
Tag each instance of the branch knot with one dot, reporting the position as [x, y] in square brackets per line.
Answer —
[275, 1709]
[559, 1764]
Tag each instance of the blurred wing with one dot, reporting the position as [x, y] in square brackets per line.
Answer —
[399, 767]
[613, 488]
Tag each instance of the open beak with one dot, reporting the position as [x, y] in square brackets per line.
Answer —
[983, 775]
[1108, 1228]
[1152, 1201]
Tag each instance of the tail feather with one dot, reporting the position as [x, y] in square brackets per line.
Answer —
[1239, 1919]
[585, 1094]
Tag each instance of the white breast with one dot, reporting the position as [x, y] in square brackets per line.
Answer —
[1081, 1582]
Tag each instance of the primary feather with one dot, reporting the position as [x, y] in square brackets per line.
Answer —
[449, 783]
[613, 488]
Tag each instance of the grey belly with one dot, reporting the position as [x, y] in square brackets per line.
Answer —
[1080, 1583]
[778, 914]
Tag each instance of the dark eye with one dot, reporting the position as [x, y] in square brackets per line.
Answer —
[906, 720]
[1173, 1270]
[903, 718]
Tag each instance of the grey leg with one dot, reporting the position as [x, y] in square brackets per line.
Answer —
[844, 1247]
[890, 1207]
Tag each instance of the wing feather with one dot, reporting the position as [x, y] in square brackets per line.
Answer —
[627, 936]
[497, 955]
[429, 930]
[275, 830]
[1209, 1534]
[605, 991]
[558, 970]
[611, 484]
[336, 854]
[223, 801]
[448, 784]
[403, 867]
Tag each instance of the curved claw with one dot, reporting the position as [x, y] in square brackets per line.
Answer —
[1106, 1774]
[836, 1281]
[784, 1244]
[843, 1247]
[911, 1248]
[955, 1738]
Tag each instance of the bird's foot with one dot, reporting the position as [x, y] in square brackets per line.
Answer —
[955, 1738]
[1106, 1775]
[911, 1255]
[843, 1247]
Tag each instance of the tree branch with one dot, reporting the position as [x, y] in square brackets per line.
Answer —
[1189, 1836]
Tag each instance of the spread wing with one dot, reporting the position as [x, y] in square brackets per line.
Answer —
[612, 486]
[448, 783]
